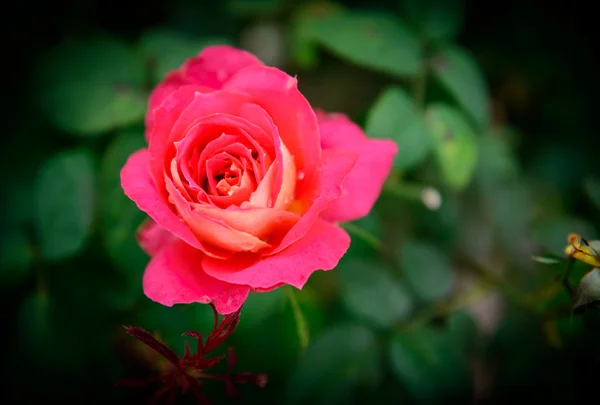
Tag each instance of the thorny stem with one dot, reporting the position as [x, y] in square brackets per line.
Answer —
[301, 325]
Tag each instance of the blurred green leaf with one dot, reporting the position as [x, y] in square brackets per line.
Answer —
[88, 88]
[371, 293]
[496, 162]
[260, 306]
[302, 48]
[16, 255]
[343, 357]
[459, 73]
[428, 271]
[394, 115]
[547, 259]
[255, 7]
[588, 290]
[65, 203]
[592, 188]
[430, 366]
[436, 19]
[551, 234]
[166, 50]
[463, 329]
[373, 40]
[120, 217]
[455, 144]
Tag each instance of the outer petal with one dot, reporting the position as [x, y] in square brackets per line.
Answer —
[277, 93]
[153, 237]
[175, 276]
[211, 68]
[138, 186]
[363, 185]
[337, 165]
[320, 249]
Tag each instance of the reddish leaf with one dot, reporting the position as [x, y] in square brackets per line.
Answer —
[154, 343]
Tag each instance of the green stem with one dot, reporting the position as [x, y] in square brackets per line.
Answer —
[565, 277]
[419, 86]
[301, 324]
[363, 234]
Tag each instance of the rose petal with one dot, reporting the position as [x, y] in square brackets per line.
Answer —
[337, 165]
[138, 186]
[209, 70]
[320, 249]
[363, 185]
[277, 93]
[212, 231]
[153, 237]
[177, 116]
[175, 276]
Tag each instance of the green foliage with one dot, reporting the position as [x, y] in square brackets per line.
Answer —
[374, 40]
[370, 292]
[436, 19]
[394, 116]
[65, 194]
[455, 68]
[428, 271]
[344, 357]
[16, 256]
[91, 87]
[430, 366]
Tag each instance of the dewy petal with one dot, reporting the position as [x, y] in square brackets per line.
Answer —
[320, 249]
[364, 183]
[277, 93]
[138, 186]
[175, 276]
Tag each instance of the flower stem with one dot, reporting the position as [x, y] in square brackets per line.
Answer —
[363, 234]
[301, 324]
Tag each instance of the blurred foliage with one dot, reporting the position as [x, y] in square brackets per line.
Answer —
[457, 286]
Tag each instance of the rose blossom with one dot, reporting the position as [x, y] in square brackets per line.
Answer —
[244, 182]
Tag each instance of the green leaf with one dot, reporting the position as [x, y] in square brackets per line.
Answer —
[89, 88]
[436, 19]
[428, 271]
[374, 40]
[496, 162]
[394, 115]
[120, 217]
[430, 367]
[551, 234]
[588, 290]
[166, 50]
[460, 74]
[455, 144]
[547, 259]
[260, 306]
[302, 48]
[592, 189]
[16, 255]
[343, 357]
[65, 203]
[370, 292]
[463, 329]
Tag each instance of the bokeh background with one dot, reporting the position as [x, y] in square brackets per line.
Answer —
[438, 299]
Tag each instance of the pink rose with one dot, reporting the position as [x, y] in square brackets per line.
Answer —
[245, 182]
